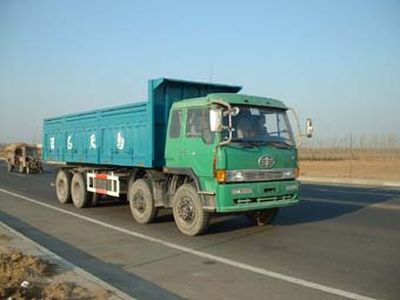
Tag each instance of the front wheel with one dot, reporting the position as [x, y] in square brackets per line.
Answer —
[141, 202]
[263, 217]
[190, 218]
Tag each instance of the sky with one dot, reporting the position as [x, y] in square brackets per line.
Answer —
[337, 61]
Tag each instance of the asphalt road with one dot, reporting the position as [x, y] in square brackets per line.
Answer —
[340, 242]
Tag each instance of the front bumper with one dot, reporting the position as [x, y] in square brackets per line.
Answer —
[241, 197]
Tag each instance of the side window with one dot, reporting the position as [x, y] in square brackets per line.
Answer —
[193, 122]
[198, 124]
[176, 124]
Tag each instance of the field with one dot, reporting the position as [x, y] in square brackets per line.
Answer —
[375, 164]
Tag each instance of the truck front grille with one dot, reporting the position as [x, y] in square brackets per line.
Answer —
[267, 175]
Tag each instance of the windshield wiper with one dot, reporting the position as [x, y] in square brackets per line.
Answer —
[245, 143]
[252, 143]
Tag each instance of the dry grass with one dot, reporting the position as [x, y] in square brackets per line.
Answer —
[383, 164]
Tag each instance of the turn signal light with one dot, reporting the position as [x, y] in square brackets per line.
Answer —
[220, 175]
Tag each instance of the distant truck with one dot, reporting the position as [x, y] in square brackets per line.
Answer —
[198, 148]
[24, 158]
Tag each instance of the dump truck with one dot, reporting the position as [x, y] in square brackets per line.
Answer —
[197, 148]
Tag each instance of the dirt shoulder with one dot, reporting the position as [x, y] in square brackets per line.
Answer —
[28, 272]
[359, 164]
[368, 170]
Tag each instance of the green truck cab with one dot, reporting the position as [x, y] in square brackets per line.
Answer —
[242, 151]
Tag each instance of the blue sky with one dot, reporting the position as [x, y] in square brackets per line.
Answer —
[335, 61]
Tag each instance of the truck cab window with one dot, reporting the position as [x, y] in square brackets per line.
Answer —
[176, 124]
[198, 124]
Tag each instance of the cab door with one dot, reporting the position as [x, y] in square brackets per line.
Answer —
[173, 143]
[197, 143]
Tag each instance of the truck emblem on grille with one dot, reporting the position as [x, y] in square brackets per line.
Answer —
[266, 161]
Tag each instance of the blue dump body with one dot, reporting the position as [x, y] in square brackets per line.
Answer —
[128, 135]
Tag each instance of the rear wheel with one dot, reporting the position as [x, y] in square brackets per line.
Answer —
[10, 166]
[63, 186]
[80, 197]
[263, 217]
[141, 202]
[190, 218]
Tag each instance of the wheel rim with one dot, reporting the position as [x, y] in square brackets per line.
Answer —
[139, 202]
[186, 210]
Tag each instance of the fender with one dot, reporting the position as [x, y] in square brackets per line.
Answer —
[208, 199]
[184, 171]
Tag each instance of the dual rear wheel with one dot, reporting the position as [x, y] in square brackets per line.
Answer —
[72, 188]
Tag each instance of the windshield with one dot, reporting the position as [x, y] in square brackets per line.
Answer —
[31, 152]
[261, 125]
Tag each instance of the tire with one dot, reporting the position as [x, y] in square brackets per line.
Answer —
[190, 218]
[10, 166]
[141, 202]
[63, 186]
[263, 217]
[80, 197]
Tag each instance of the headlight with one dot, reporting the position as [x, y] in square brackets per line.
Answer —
[288, 174]
[234, 176]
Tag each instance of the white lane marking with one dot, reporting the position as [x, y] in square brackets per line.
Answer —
[49, 253]
[227, 261]
[353, 203]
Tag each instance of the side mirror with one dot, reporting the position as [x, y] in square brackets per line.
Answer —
[215, 120]
[309, 128]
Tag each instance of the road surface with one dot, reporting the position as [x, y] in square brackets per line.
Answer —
[341, 242]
